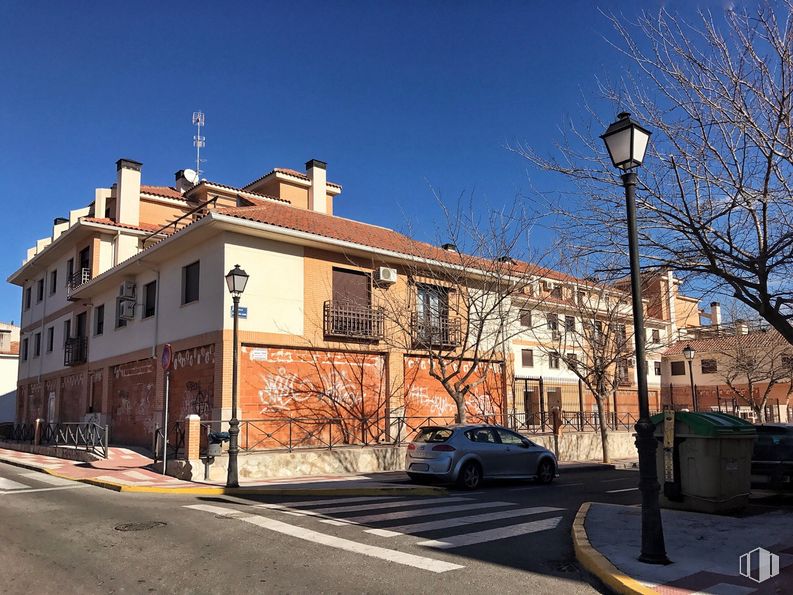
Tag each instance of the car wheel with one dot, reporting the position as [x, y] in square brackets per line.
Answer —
[546, 471]
[470, 476]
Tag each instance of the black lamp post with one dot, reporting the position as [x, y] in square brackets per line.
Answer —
[689, 353]
[236, 279]
[626, 143]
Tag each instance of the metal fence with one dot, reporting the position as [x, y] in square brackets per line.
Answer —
[88, 435]
[176, 432]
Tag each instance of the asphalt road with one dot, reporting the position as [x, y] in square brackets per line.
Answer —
[62, 537]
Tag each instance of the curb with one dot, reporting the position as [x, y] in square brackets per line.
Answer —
[597, 564]
[580, 467]
[242, 491]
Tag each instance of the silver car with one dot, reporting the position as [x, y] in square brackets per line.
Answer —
[468, 453]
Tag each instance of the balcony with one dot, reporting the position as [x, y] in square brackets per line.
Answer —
[75, 351]
[81, 277]
[353, 322]
[435, 332]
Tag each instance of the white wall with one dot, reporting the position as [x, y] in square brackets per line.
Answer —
[274, 294]
[8, 385]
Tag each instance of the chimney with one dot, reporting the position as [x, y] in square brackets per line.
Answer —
[715, 313]
[318, 192]
[185, 179]
[128, 192]
[741, 328]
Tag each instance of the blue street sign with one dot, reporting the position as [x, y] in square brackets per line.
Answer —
[243, 312]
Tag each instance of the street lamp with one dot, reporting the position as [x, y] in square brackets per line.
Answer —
[626, 143]
[689, 353]
[236, 279]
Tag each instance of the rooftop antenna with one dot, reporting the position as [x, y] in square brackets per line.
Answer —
[198, 142]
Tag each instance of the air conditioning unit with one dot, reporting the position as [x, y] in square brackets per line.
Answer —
[386, 275]
[631, 363]
[126, 310]
[126, 290]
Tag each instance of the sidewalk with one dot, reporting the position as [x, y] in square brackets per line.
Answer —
[705, 550]
[126, 470]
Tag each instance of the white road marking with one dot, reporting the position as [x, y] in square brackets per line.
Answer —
[10, 484]
[461, 521]
[382, 505]
[335, 522]
[543, 487]
[492, 534]
[623, 490]
[46, 478]
[216, 510]
[71, 487]
[318, 502]
[408, 514]
[618, 479]
[403, 558]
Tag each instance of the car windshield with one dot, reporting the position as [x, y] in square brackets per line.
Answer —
[433, 435]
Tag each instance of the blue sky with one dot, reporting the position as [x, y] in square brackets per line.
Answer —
[395, 96]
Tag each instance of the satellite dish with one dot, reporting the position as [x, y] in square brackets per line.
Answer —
[190, 175]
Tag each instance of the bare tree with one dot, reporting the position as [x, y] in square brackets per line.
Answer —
[456, 310]
[714, 201]
[593, 336]
[753, 364]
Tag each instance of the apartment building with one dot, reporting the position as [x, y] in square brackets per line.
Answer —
[9, 363]
[143, 266]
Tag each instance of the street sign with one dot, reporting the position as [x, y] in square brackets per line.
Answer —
[167, 357]
[242, 312]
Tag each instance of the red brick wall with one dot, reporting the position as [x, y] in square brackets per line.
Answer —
[426, 397]
[315, 386]
[192, 384]
[73, 398]
[132, 388]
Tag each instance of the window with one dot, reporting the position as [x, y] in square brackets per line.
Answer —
[556, 291]
[37, 345]
[99, 320]
[432, 324]
[39, 290]
[525, 318]
[120, 322]
[553, 322]
[678, 368]
[553, 361]
[28, 292]
[527, 358]
[53, 281]
[69, 270]
[657, 366]
[190, 276]
[787, 362]
[656, 336]
[25, 349]
[508, 437]
[622, 334]
[149, 299]
[622, 371]
[481, 435]
[50, 338]
[67, 330]
[569, 324]
[571, 359]
[709, 366]
[581, 297]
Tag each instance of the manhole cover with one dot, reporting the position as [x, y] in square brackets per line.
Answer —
[140, 526]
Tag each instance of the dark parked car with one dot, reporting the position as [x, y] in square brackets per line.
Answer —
[772, 459]
[468, 453]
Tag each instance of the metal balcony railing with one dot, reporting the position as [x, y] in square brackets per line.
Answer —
[435, 332]
[80, 277]
[75, 351]
[349, 320]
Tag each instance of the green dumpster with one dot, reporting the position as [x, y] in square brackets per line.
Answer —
[708, 467]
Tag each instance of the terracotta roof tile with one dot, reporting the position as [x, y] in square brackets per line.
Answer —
[165, 191]
[726, 343]
[140, 227]
[289, 172]
[363, 234]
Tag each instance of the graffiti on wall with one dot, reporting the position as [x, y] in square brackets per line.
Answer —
[133, 403]
[426, 397]
[196, 356]
[192, 383]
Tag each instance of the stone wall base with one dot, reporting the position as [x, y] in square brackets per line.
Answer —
[260, 465]
[60, 452]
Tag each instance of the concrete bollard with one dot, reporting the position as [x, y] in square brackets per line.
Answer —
[37, 431]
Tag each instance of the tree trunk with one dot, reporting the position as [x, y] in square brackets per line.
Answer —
[603, 429]
[459, 400]
[759, 411]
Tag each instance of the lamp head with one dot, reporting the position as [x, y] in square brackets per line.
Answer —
[236, 279]
[626, 141]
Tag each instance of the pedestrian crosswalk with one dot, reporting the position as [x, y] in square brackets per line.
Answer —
[25, 483]
[443, 523]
